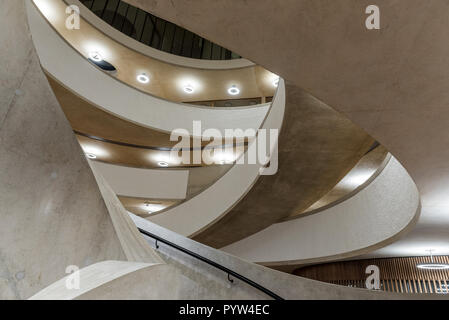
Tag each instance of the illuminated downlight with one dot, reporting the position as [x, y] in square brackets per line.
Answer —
[189, 89]
[153, 207]
[162, 164]
[234, 90]
[94, 152]
[143, 78]
[95, 56]
[432, 265]
[163, 159]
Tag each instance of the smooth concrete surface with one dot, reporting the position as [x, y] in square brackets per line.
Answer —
[88, 279]
[366, 170]
[201, 178]
[286, 285]
[168, 282]
[130, 239]
[52, 213]
[113, 96]
[317, 147]
[375, 216]
[144, 183]
[391, 82]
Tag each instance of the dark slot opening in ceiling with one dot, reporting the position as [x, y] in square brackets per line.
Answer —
[155, 32]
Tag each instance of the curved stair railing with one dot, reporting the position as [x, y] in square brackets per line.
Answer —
[211, 263]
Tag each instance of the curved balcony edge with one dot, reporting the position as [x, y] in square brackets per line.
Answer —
[346, 196]
[374, 217]
[109, 94]
[144, 183]
[154, 53]
[198, 213]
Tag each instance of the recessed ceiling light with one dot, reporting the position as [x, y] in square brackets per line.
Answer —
[433, 266]
[189, 89]
[162, 164]
[276, 82]
[233, 90]
[153, 207]
[95, 56]
[143, 78]
[93, 151]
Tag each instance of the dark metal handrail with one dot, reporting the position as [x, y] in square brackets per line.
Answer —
[212, 263]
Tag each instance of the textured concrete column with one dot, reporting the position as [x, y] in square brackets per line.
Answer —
[52, 212]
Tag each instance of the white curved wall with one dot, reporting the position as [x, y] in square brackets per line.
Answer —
[385, 208]
[106, 92]
[210, 205]
[144, 183]
[154, 53]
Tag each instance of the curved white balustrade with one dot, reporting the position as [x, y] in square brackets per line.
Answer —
[372, 218]
[154, 53]
[210, 205]
[115, 97]
[144, 183]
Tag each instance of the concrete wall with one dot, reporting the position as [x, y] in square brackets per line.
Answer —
[52, 213]
[55, 213]
[144, 281]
